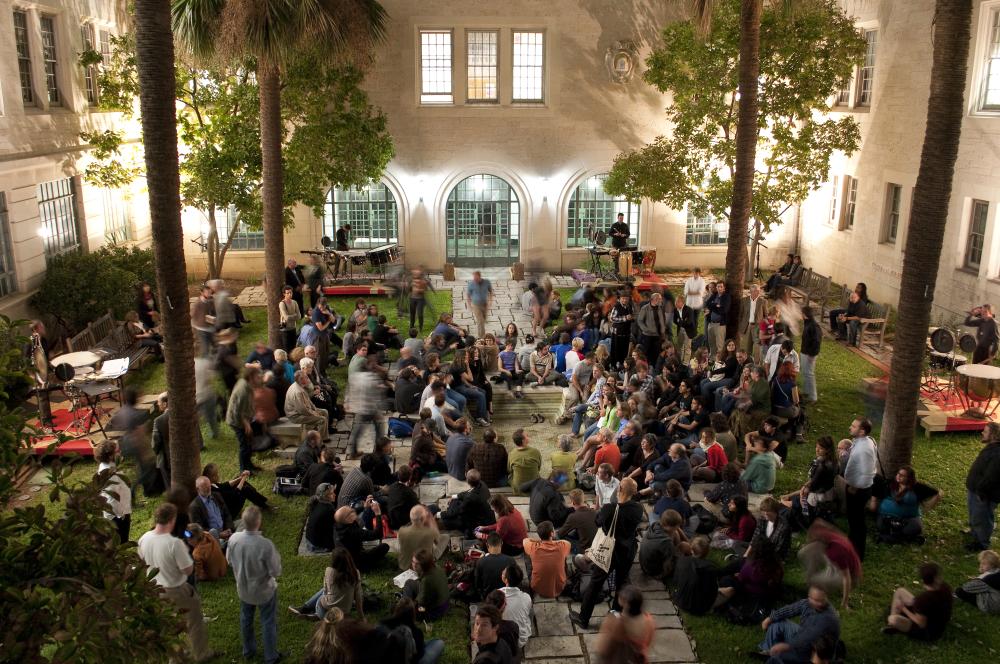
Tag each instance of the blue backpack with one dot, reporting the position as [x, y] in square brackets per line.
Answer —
[400, 428]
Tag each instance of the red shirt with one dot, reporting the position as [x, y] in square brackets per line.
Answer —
[511, 528]
[548, 565]
[716, 457]
[610, 454]
[743, 529]
[841, 553]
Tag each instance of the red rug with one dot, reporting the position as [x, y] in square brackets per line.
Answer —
[355, 289]
[62, 419]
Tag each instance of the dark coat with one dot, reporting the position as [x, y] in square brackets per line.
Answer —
[197, 513]
[984, 474]
[546, 503]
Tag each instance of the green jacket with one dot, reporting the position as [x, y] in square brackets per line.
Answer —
[760, 473]
[240, 405]
[433, 589]
[523, 464]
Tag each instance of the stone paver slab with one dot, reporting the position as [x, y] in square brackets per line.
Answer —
[552, 619]
[552, 646]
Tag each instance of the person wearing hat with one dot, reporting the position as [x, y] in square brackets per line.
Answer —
[320, 518]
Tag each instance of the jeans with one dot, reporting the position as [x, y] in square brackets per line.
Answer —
[455, 400]
[782, 631]
[417, 305]
[708, 388]
[981, 518]
[312, 604]
[433, 650]
[210, 411]
[360, 421]
[268, 626]
[472, 393]
[808, 365]
[246, 452]
[579, 412]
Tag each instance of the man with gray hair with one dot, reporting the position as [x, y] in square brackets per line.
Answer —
[300, 409]
[256, 565]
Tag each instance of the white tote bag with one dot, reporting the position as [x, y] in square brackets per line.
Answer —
[603, 546]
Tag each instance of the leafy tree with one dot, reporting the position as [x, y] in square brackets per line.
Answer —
[69, 590]
[805, 56]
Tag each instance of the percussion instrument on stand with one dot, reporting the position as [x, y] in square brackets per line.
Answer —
[600, 269]
[978, 389]
[625, 263]
[945, 340]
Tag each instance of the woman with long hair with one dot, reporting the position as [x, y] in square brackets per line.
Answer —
[341, 589]
[477, 368]
[510, 334]
[405, 615]
[818, 488]
[510, 526]
[324, 645]
[430, 589]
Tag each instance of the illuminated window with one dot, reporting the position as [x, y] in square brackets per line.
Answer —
[990, 98]
[977, 235]
[49, 59]
[23, 57]
[850, 203]
[90, 71]
[370, 210]
[57, 210]
[529, 66]
[481, 58]
[435, 67]
[592, 210]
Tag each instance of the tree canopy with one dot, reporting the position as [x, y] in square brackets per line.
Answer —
[806, 55]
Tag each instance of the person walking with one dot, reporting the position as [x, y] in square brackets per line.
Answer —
[169, 555]
[859, 474]
[240, 412]
[479, 298]
[812, 337]
[256, 565]
[983, 487]
[365, 396]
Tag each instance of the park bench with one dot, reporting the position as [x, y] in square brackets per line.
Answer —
[874, 324]
[110, 339]
[812, 286]
[845, 296]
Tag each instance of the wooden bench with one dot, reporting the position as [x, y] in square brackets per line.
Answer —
[845, 297]
[812, 286]
[873, 326]
[110, 339]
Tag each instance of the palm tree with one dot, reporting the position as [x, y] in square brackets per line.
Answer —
[155, 64]
[925, 234]
[271, 33]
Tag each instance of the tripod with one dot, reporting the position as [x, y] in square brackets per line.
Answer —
[757, 274]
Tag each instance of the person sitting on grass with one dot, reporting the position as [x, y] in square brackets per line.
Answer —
[983, 591]
[421, 533]
[349, 534]
[507, 631]
[760, 472]
[663, 545]
[430, 589]
[899, 512]
[209, 561]
[786, 641]
[925, 616]
[741, 526]
[758, 581]
[772, 526]
[405, 614]
[341, 589]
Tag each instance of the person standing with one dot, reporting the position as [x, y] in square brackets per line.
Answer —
[715, 323]
[169, 555]
[239, 414]
[295, 280]
[812, 337]
[314, 280]
[859, 475]
[289, 315]
[686, 320]
[343, 243]
[479, 297]
[256, 566]
[983, 486]
[653, 323]
[116, 490]
[203, 320]
[621, 318]
[620, 233]
[987, 335]
[695, 291]
[753, 308]
[419, 285]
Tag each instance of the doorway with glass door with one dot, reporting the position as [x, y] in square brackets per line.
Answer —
[483, 223]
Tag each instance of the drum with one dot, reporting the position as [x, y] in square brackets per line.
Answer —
[625, 264]
[649, 261]
[979, 382]
[943, 340]
[967, 342]
[600, 237]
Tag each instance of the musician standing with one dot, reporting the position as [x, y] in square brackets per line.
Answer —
[987, 335]
[38, 356]
[295, 280]
[343, 243]
[619, 239]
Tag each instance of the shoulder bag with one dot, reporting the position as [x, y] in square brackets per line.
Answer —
[603, 546]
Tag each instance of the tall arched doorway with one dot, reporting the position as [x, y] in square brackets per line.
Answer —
[483, 218]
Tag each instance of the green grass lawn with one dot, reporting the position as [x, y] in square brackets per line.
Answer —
[941, 461]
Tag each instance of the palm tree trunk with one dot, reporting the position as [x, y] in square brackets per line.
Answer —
[925, 234]
[746, 155]
[272, 194]
[155, 60]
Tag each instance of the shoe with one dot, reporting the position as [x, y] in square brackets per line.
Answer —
[298, 611]
[534, 418]
[541, 418]
[577, 620]
[534, 385]
[481, 422]
[209, 619]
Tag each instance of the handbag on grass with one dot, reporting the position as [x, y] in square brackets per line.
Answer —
[603, 546]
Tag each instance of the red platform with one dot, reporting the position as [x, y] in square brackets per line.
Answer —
[62, 420]
[355, 289]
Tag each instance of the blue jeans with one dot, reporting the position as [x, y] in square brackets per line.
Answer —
[708, 388]
[579, 412]
[472, 393]
[981, 518]
[269, 627]
[455, 400]
[591, 430]
[245, 451]
[312, 604]
[782, 631]
[433, 650]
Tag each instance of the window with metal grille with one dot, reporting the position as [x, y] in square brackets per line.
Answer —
[705, 229]
[117, 218]
[60, 230]
[529, 66]
[866, 74]
[850, 203]
[90, 71]
[592, 210]
[990, 96]
[49, 59]
[977, 235]
[370, 210]
[481, 59]
[23, 57]
[893, 201]
[435, 67]
[483, 221]
[8, 279]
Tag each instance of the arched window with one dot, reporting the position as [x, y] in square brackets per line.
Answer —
[483, 217]
[370, 210]
[591, 209]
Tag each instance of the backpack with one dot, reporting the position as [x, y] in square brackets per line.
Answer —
[400, 428]
[287, 486]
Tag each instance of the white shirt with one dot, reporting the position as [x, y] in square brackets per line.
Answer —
[518, 609]
[606, 492]
[116, 492]
[860, 470]
[694, 292]
[169, 555]
[572, 359]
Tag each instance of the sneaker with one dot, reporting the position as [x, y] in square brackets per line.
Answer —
[297, 610]
[481, 422]
[208, 619]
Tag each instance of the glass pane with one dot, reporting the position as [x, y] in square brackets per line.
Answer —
[592, 210]
[529, 66]
[371, 211]
[49, 58]
[483, 218]
[482, 66]
[23, 56]
[435, 67]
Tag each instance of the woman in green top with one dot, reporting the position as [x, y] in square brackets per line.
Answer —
[760, 473]
[564, 460]
[430, 589]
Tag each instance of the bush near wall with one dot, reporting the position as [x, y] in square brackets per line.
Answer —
[80, 287]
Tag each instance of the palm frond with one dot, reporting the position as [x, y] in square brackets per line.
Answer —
[195, 23]
[701, 13]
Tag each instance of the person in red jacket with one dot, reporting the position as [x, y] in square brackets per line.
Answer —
[741, 525]
[708, 458]
[510, 526]
[608, 453]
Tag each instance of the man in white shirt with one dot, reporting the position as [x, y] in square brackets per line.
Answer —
[694, 291]
[519, 606]
[859, 475]
[116, 491]
[606, 486]
[256, 566]
[169, 555]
